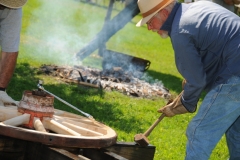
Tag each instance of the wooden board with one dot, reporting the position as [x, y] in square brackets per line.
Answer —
[16, 149]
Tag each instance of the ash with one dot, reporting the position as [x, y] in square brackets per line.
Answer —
[126, 82]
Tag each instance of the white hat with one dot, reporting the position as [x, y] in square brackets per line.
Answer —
[149, 8]
[13, 3]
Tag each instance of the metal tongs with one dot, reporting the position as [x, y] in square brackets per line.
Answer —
[40, 86]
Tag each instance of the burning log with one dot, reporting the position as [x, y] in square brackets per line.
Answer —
[126, 62]
[116, 78]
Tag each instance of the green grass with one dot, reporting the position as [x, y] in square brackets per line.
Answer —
[53, 31]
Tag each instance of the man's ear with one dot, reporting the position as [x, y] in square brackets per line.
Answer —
[164, 13]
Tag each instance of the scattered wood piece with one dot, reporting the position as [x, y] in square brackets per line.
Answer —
[58, 128]
[17, 121]
[38, 125]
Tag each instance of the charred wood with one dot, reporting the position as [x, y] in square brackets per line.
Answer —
[110, 79]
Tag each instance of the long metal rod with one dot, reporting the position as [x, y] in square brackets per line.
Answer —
[86, 114]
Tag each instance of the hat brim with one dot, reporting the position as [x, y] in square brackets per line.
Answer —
[13, 3]
[146, 19]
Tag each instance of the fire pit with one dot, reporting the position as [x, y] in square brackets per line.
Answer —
[116, 78]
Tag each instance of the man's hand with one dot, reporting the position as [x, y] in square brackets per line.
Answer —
[183, 83]
[5, 99]
[236, 1]
[174, 108]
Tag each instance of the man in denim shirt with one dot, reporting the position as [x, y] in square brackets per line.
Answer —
[206, 41]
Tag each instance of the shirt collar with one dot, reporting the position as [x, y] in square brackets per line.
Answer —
[167, 25]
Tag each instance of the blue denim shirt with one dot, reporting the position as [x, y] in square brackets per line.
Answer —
[206, 41]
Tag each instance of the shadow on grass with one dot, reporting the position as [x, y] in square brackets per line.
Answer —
[89, 100]
[23, 79]
[169, 81]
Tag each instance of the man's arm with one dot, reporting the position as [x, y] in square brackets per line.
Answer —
[7, 66]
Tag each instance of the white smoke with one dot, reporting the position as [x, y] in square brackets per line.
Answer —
[58, 34]
[56, 31]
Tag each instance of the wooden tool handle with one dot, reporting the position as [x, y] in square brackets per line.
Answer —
[147, 133]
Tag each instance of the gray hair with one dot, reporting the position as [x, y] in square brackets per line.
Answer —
[170, 6]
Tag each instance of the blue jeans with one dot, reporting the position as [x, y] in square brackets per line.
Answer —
[218, 114]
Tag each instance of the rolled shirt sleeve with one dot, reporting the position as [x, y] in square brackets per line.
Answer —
[189, 64]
